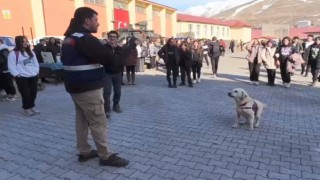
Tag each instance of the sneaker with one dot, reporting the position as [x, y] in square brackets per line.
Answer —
[251, 82]
[194, 81]
[182, 84]
[35, 111]
[170, 86]
[108, 114]
[198, 80]
[28, 112]
[86, 157]
[214, 76]
[256, 83]
[174, 86]
[114, 160]
[190, 85]
[116, 108]
[287, 85]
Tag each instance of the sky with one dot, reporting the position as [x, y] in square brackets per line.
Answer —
[183, 4]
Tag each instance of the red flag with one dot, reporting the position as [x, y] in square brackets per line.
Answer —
[121, 19]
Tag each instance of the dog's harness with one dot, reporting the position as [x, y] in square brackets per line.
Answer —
[254, 107]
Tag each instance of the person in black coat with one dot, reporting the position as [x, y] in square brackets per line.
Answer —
[185, 65]
[40, 47]
[314, 60]
[53, 47]
[170, 54]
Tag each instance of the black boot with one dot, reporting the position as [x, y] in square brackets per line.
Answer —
[133, 77]
[175, 82]
[169, 82]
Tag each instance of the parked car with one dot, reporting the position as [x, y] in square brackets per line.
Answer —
[9, 41]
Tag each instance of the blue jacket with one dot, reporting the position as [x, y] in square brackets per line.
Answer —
[82, 73]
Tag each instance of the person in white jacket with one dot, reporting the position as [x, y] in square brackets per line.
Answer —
[23, 66]
[269, 61]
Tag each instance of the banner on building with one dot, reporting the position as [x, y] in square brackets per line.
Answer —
[121, 19]
[6, 14]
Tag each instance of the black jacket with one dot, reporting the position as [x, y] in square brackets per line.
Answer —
[314, 56]
[92, 48]
[163, 53]
[185, 58]
[117, 54]
[37, 50]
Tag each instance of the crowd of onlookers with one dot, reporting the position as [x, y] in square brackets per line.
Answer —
[287, 55]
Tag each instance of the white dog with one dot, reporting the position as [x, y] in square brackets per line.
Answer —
[246, 107]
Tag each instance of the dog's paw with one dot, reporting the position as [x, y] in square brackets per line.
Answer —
[235, 125]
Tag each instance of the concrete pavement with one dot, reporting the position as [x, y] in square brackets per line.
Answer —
[182, 133]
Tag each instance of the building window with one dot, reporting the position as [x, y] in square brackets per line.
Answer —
[223, 31]
[190, 27]
[218, 30]
[212, 30]
[155, 13]
[120, 5]
[140, 10]
[205, 30]
[198, 30]
[97, 2]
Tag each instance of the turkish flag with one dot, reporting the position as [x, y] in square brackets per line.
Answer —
[121, 19]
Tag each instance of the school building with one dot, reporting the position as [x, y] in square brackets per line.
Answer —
[38, 18]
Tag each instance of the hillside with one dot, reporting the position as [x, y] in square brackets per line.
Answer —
[258, 12]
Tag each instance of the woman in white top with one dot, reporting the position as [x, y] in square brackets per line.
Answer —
[269, 61]
[23, 65]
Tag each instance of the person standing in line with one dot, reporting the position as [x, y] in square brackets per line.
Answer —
[152, 53]
[232, 45]
[23, 66]
[185, 65]
[82, 56]
[269, 61]
[113, 75]
[305, 68]
[196, 58]
[314, 61]
[283, 54]
[170, 54]
[205, 49]
[214, 53]
[131, 63]
[254, 60]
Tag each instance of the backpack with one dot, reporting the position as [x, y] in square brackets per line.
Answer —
[215, 49]
[4, 60]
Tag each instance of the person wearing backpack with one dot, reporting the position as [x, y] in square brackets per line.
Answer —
[214, 54]
[6, 80]
[23, 66]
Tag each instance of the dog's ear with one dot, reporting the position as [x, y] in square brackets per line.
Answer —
[244, 95]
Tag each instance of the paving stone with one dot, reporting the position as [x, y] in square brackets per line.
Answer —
[162, 133]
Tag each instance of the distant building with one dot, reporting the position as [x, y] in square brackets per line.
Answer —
[240, 30]
[51, 17]
[304, 23]
[201, 27]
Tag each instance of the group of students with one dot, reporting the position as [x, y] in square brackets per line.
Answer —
[286, 55]
[188, 56]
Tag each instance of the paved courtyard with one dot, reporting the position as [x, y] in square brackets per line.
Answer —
[167, 133]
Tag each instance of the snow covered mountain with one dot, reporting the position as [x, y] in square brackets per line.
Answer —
[261, 11]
